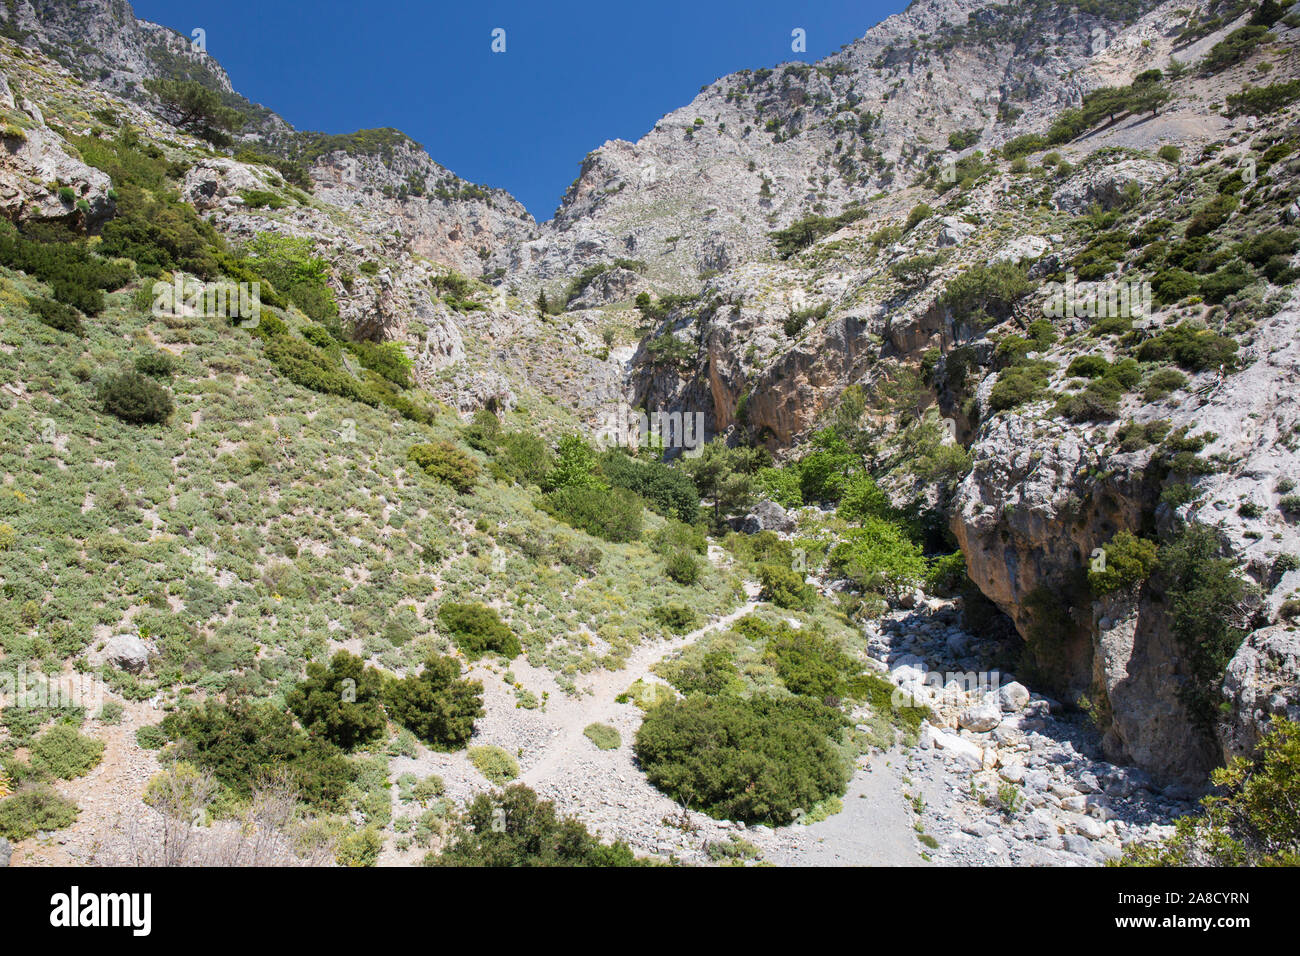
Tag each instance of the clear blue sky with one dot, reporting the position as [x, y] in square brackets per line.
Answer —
[574, 74]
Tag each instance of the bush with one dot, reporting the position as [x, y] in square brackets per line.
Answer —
[238, 742]
[435, 704]
[1129, 560]
[156, 365]
[1162, 382]
[494, 763]
[757, 759]
[612, 514]
[1204, 596]
[677, 618]
[34, 811]
[781, 485]
[63, 753]
[525, 457]
[1088, 366]
[57, 315]
[444, 462]
[667, 490]
[1214, 215]
[76, 276]
[514, 828]
[1225, 282]
[1262, 100]
[810, 664]
[342, 702]
[1171, 285]
[879, 558]
[135, 398]
[785, 587]
[151, 737]
[1232, 49]
[711, 672]
[803, 233]
[1253, 818]
[682, 568]
[1019, 384]
[478, 630]
[986, 290]
[1169, 153]
[603, 736]
[1194, 349]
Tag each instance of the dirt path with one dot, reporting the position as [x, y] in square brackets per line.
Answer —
[873, 829]
[569, 717]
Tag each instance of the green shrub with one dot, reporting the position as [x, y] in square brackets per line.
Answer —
[667, 490]
[682, 568]
[1252, 818]
[1214, 215]
[342, 703]
[1162, 382]
[711, 672]
[1088, 366]
[435, 704]
[34, 811]
[262, 198]
[1169, 153]
[1019, 384]
[156, 365]
[494, 763]
[757, 759]
[1263, 100]
[785, 587]
[444, 462]
[1194, 349]
[781, 485]
[57, 315]
[1129, 560]
[239, 741]
[603, 736]
[63, 753]
[1232, 49]
[809, 663]
[478, 630]
[135, 398]
[525, 457]
[514, 828]
[76, 277]
[151, 737]
[1204, 596]
[986, 290]
[1226, 281]
[803, 233]
[879, 557]
[677, 618]
[612, 514]
[360, 847]
[1171, 285]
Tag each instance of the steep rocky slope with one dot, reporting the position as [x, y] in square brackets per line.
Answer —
[866, 250]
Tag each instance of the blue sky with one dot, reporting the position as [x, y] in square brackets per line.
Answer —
[573, 74]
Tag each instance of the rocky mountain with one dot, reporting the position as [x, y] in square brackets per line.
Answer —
[1008, 289]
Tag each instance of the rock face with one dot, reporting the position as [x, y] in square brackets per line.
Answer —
[1109, 186]
[128, 652]
[40, 179]
[767, 516]
[1029, 515]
